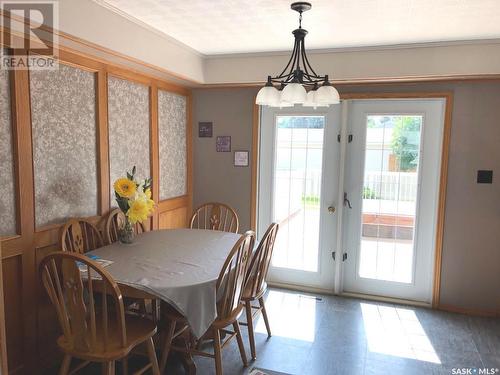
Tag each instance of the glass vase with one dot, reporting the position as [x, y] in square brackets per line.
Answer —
[126, 233]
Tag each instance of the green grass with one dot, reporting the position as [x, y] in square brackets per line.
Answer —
[311, 200]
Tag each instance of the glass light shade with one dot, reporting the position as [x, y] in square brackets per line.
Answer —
[311, 100]
[294, 93]
[327, 95]
[283, 104]
[268, 95]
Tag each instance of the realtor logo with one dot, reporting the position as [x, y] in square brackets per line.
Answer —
[27, 36]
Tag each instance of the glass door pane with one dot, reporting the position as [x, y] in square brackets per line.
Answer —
[297, 191]
[389, 205]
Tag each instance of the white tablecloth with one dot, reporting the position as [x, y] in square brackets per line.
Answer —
[180, 266]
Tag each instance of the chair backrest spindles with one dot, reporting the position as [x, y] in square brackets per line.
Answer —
[215, 216]
[114, 222]
[80, 236]
[231, 281]
[261, 258]
[72, 289]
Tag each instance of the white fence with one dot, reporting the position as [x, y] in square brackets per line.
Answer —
[395, 186]
[400, 186]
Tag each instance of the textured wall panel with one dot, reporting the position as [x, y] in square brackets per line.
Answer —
[172, 133]
[63, 111]
[7, 194]
[128, 113]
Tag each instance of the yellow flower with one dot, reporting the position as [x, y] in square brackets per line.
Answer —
[138, 211]
[147, 192]
[151, 205]
[125, 188]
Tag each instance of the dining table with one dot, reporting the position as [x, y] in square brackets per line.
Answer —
[178, 266]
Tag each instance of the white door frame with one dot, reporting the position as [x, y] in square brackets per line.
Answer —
[448, 97]
[420, 289]
[323, 280]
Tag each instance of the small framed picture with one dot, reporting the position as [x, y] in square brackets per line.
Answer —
[205, 129]
[223, 143]
[241, 158]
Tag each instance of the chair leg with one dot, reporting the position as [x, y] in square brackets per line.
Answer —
[64, 370]
[217, 352]
[264, 314]
[251, 335]
[152, 356]
[108, 368]
[166, 345]
[125, 366]
[236, 327]
[143, 307]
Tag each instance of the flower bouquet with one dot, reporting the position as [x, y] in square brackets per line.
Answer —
[134, 199]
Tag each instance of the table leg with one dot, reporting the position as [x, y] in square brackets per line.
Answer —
[187, 358]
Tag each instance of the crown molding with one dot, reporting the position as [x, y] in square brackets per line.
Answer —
[359, 49]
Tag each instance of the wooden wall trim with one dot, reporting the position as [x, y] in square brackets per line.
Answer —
[21, 121]
[3, 337]
[103, 141]
[443, 183]
[189, 151]
[255, 167]
[382, 81]
[174, 203]
[155, 149]
[473, 312]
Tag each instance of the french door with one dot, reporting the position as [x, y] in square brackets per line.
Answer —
[298, 172]
[354, 188]
[392, 186]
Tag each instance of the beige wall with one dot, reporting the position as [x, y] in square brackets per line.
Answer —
[427, 60]
[471, 253]
[215, 177]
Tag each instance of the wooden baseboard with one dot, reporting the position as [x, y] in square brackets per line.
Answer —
[473, 312]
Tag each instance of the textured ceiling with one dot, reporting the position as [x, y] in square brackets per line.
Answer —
[236, 26]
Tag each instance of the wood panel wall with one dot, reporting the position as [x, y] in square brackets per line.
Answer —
[31, 325]
[3, 347]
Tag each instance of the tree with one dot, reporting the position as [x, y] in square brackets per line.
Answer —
[405, 141]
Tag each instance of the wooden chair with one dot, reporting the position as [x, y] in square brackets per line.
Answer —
[256, 283]
[114, 222]
[215, 216]
[229, 288]
[80, 236]
[92, 332]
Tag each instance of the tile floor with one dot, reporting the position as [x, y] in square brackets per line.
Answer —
[336, 335]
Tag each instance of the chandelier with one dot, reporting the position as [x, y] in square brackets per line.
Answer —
[298, 83]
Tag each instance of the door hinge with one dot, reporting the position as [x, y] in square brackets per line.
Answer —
[344, 257]
[349, 138]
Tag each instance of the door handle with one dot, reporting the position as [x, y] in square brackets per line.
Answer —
[331, 209]
[347, 202]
